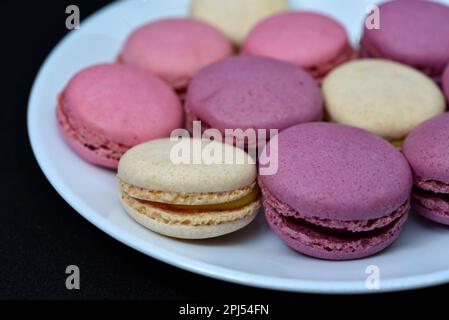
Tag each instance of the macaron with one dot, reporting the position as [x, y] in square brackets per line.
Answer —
[185, 199]
[175, 49]
[413, 32]
[235, 17]
[312, 41]
[384, 97]
[252, 93]
[339, 192]
[445, 82]
[106, 109]
[426, 149]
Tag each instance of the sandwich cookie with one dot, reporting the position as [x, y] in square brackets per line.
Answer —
[308, 40]
[235, 17]
[412, 32]
[106, 109]
[175, 49]
[426, 149]
[339, 193]
[384, 97]
[186, 199]
[252, 93]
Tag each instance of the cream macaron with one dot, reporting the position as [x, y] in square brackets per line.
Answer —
[235, 18]
[384, 97]
[181, 189]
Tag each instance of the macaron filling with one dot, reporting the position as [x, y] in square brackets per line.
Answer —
[165, 215]
[192, 203]
[331, 243]
[398, 143]
[432, 196]
[231, 205]
[355, 226]
[86, 139]
[187, 199]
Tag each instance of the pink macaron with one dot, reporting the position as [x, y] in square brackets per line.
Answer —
[426, 148]
[339, 192]
[175, 49]
[308, 40]
[107, 109]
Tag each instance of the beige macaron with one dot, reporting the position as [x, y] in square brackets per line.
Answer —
[190, 188]
[235, 18]
[384, 97]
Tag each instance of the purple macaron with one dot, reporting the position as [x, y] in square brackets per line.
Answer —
[252, 93]
[339, 192]
[445, 82]
[426, 149]
[414, 32]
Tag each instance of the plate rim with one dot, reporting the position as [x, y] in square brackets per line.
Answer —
[190, 264]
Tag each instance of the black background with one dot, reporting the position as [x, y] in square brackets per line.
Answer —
[40, 234]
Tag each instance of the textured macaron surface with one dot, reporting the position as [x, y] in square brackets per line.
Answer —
[175, 49]
[305, 39]
[426, 149]
[414, 32]
[235, 17]
[157, 165]
[253, 92]
[120, 104]
[384, 97]
[336, 172]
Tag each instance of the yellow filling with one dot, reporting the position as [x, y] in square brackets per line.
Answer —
[239, 203]
[397, 143]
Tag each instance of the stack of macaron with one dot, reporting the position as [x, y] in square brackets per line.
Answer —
[359, 133]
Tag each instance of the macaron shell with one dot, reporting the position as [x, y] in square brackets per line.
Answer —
[305, 39]
[151, 166]
[319, 245]
[108, 158]
[121, 104]
[235, 17]
[426, 149]
[383, 97]
[191, 199]
[337, 172]
[414, 32]
[175, 49]
[253, 92]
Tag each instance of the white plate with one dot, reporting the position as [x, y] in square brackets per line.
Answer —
[253, 256]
